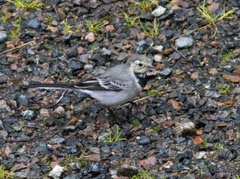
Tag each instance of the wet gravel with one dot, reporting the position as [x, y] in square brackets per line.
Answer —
[187, 127]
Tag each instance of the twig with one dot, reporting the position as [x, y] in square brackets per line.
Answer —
[141, 99]
[17, 47]
[60, 97]
[178, 51]
[200, 28]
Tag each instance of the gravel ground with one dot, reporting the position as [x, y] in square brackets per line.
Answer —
[185, 123]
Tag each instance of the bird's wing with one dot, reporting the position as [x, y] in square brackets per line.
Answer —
[111, 84]
[101, 83]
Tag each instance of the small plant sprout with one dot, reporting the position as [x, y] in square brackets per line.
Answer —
[218, 147]
[205, 143]
[223, 88]
[26, 4]
[48, 47]
[48, 20]
[201, 171]
[212, 19]
[114, 135]
[153, 92]
[16, 28]
[135, 122]
[146, 5]
[74, 159]
[95, 26]
[227, 56]
[155, 130]
[130, 21]
[5, 174]
[67, 27]
[143, 175]
[151, 31]
[4, 17]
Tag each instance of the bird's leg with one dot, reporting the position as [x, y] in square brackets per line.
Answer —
[115, 118]
[129, 111]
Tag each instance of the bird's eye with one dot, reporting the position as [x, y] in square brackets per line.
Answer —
[140, 64]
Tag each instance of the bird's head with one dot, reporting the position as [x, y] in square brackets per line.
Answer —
[140, 64]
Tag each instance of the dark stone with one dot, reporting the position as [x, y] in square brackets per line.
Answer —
[22, 100]
[169, 33]
[67, 38]
[3, 61]
[95, 168]
[57, 140]
[68, 129]
[225, 154]
[71, 142]
[7, 123]
[208, 128]
[72, 53]
[175, 56]
[94, 108]
[146, 16]
[127, 170]
[167, 133]
[55, 53]
[3, 37]
[75, 65]
[74, 176]
[141, 46]
[144, 140]
[41, 148]
[150, 111]
[166, 72]
[33, 24]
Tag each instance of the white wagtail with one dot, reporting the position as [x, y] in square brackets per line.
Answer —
[118, 85]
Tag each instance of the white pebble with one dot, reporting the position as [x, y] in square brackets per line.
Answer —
[159, 11]
[90, 37]
[56, 172]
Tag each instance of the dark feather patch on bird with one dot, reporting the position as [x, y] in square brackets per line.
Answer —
[142, 79]
[98, 84]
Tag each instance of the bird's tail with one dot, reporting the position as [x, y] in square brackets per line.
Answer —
[49, 86]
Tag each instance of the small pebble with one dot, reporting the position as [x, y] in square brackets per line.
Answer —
[127, 170]
[183, 42]
[166, 72]
[157, 58]
[59, 110]
[200, 155]
[74, 65]
[72, 53]
[33, 24]
[143, 140]
[58, 140]
[141, 46]
[28, 114]
[3, 37]
[88, 67]
[159, 11]
[67, 37]
[175, 56]
[22, 100]
[158, 48]
[56, 172]
[106, 51]
[44, 112]
[90, 37]
[31, 51]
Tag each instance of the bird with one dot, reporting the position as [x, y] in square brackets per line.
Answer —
[118, 85]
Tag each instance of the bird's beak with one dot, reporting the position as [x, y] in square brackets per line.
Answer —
[150, 66]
